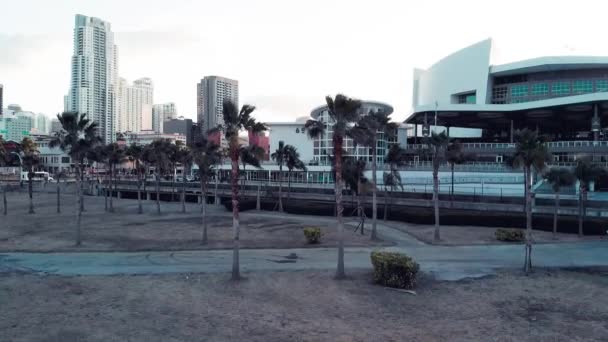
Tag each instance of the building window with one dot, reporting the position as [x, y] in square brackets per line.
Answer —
[519, 90]
[601, 85]
[540, 89]
[582, 86]
[469, 98]
[560, 88]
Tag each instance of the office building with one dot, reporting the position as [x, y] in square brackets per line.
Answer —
[180, 126]
[55, 126]
[292, 133]
[323, 145]
[134, 105]
[147, 137]
[161, 113]
[15, 125]
[210, 95]
[565, 98]
[94, 74]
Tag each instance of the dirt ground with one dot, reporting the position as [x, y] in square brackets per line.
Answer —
[476, 235]
[125, 230]
[303, 306]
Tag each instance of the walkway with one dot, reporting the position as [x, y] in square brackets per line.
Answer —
[444, 262]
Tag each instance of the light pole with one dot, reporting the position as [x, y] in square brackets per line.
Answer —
[436, 105]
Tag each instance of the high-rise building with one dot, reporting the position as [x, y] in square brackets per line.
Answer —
[134, 105]
[15, 125]
[41, 123]
[180, 126]
[210, 95]
[161, 113]
[94, 71]
[1, 98]
[55, 126]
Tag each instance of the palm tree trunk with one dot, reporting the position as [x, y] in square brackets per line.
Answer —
[528, 194]
[58, 198]
[258, 203]
[111, 188]
[235, 209]
[359, 208]
[580, 210]
[158, 193]
[215, 198]
[30, 190]
[288, 185]
[184, 190]
[204, 209]
[452, 187]
[280, 187]
[140, 209]
[555, 212]
[436, 236]
[374, 233]
[106, 191]
[4, 201]
[338, 140]
[78, 206]
[385, 203]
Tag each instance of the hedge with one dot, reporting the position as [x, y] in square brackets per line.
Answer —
[394, 269]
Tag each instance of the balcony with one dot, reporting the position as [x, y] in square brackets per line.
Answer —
[554, 147]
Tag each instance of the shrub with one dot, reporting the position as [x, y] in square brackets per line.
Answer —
[394, 269]
[509, 235]
[312, 234]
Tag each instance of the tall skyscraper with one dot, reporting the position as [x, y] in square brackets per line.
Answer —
[134, 105]
[162, 113]
[210, 95]
[94, 70]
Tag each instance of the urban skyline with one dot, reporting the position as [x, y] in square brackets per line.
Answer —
[277, 82]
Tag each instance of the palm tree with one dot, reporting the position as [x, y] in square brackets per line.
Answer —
[116, 155]
[234, 122]
[343, 112]
[352, 173]
[366, 133]
[184, 157]
[77, 137]
[98, 154]
[586, 172]
[173, 154]
[206, 155]
[530, 154]
[454, 155]
[134, 153]
[438, 143]
[279, 156]
[251, 154]
[558, 178]
[157, 154]
[29, 154]
[293, 162]
[3, 160]
[395, 157]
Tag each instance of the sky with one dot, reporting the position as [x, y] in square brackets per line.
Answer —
[286, 54]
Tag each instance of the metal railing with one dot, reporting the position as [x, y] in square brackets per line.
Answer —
[499, 146]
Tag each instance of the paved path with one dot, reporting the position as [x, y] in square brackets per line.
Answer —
[444, 262]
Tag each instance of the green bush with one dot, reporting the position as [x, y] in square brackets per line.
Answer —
[394, 270]
[312, 234]
[509, 235]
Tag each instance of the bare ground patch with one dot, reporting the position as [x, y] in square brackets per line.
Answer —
[303, 306]
[125, 230]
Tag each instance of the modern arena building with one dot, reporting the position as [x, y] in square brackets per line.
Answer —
[565, 98]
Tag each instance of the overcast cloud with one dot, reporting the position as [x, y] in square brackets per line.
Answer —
[287, 55]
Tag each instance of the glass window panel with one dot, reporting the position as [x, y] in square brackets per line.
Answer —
[601, 85]
[582, 86]
[560, 88]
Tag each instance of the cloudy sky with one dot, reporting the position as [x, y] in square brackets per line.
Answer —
[286, 54]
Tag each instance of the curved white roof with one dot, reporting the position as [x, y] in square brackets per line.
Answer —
[550, 63]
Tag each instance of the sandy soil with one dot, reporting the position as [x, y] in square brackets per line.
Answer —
[308, 306]
[476, 235]
[125, 230]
